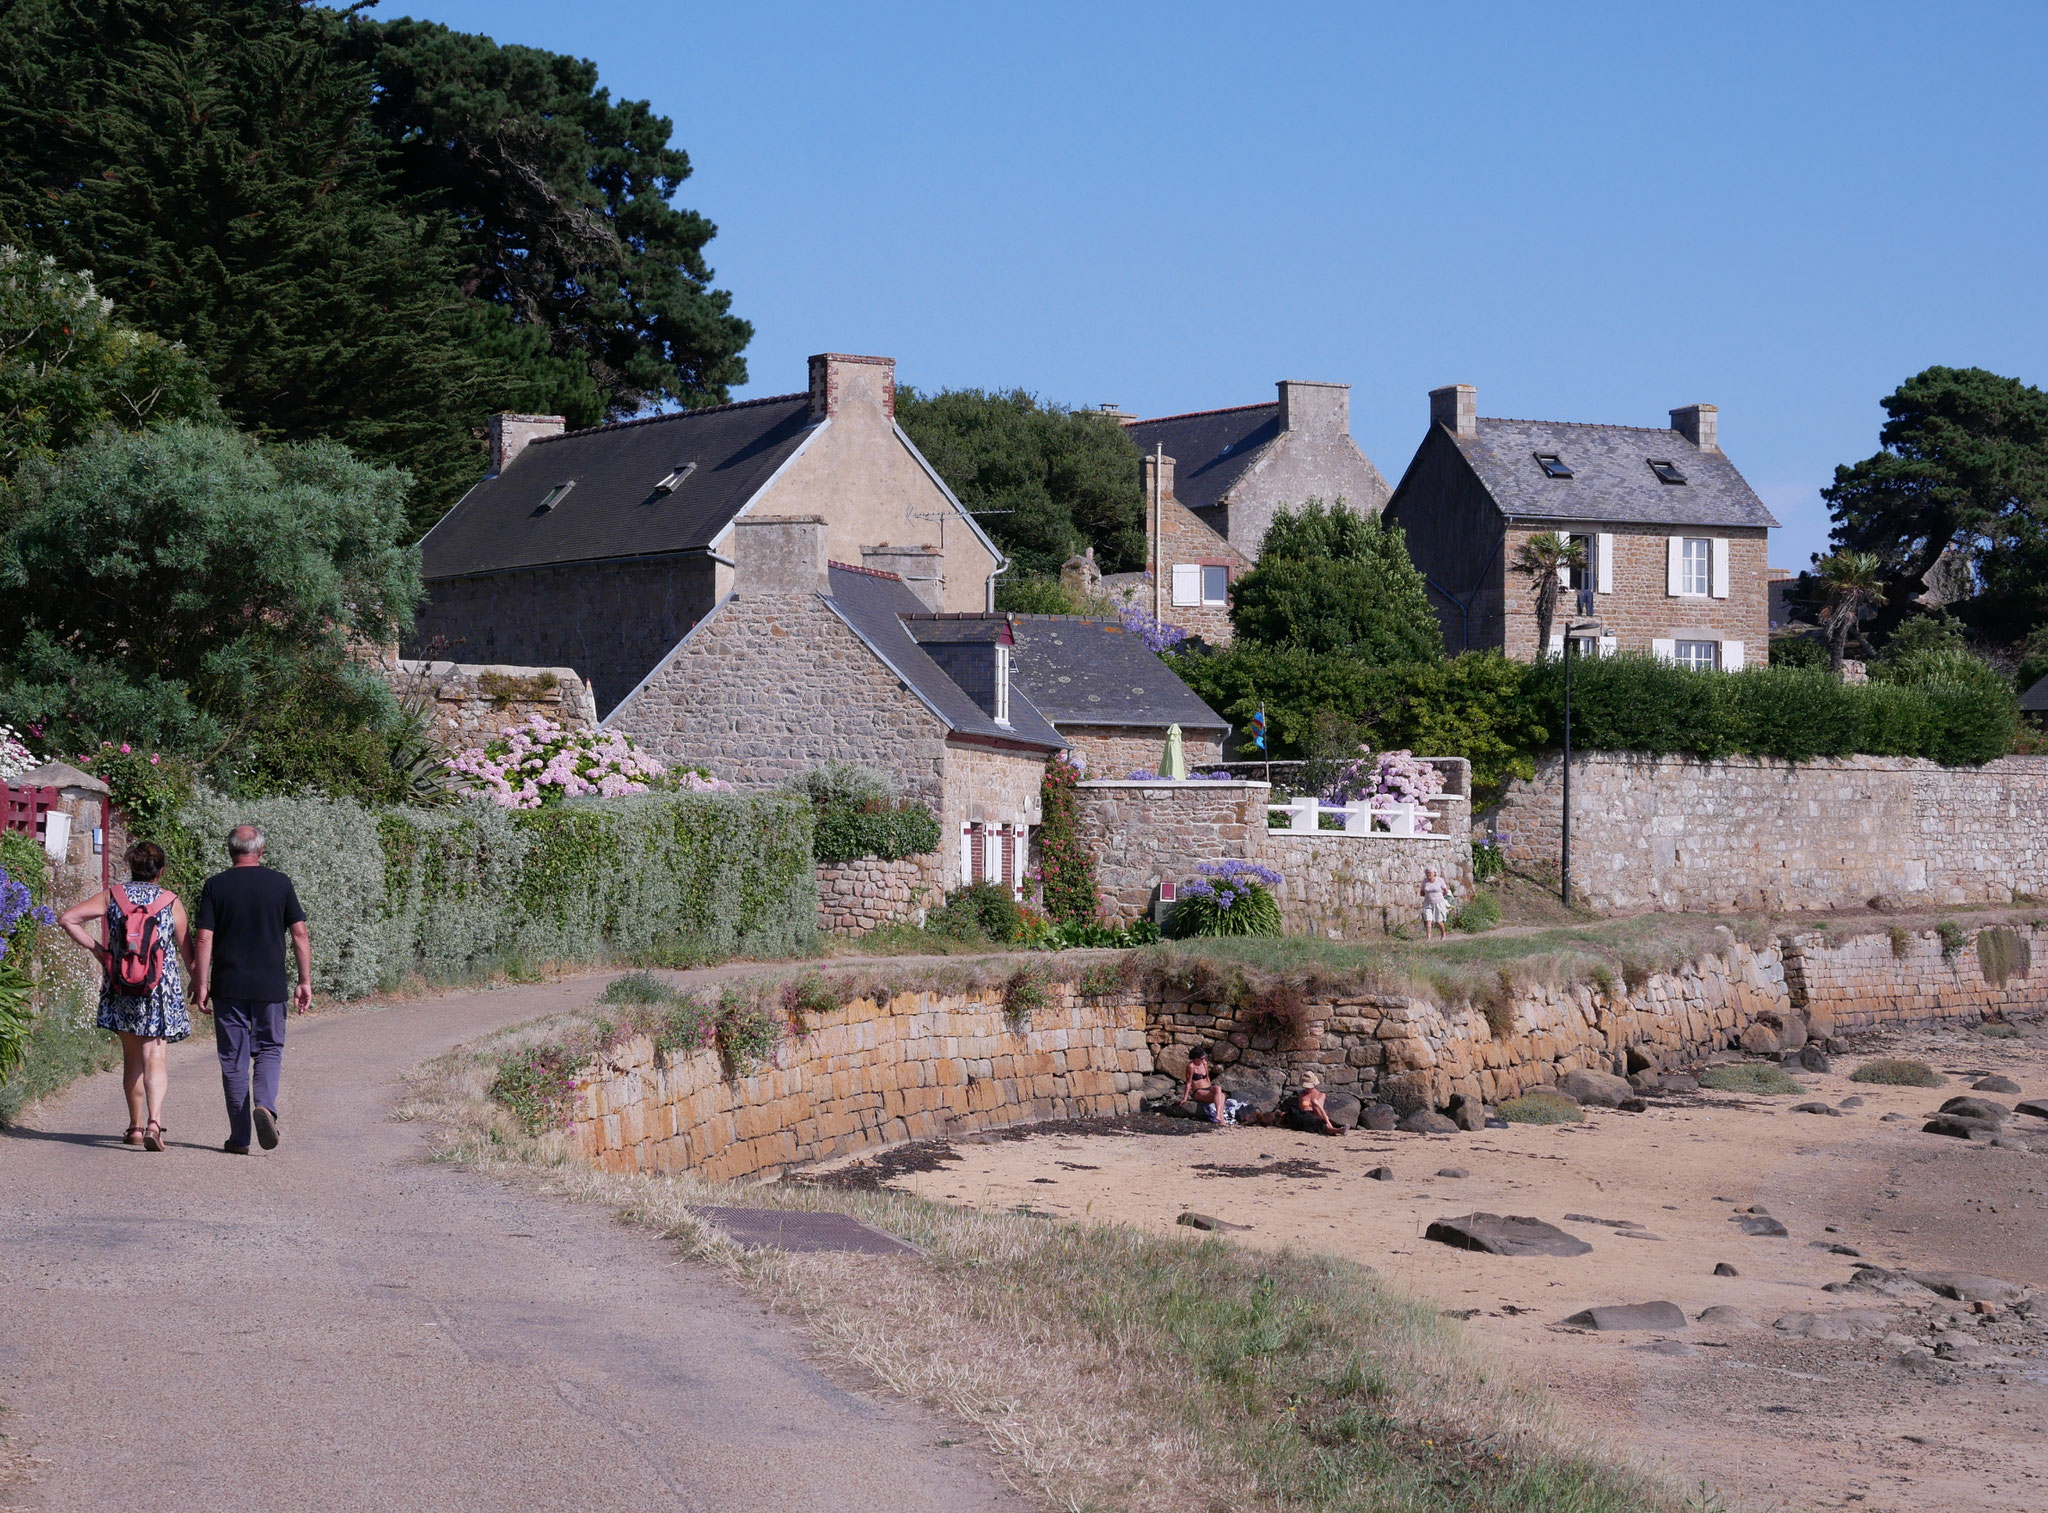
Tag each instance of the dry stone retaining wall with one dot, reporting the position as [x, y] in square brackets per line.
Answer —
[868, 892]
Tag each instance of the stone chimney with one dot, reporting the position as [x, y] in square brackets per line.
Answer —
[1699, 424]
[774, 555]
[1456, 408]
[1317, 409]
[511, 434]
[922, 568]
[839, 381]
[1165, 465]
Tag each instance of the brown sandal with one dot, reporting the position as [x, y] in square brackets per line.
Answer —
[153, 1137]
[134, 1135]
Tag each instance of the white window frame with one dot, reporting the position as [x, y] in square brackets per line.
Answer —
[1222, 600]
[1692, 572]
[1187, 585]
[1002, 685]
[1718, 577]
[1686, 654]
[1603, 562]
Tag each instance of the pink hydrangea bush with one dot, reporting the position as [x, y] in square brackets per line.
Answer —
[1392, 777]
[540, 762]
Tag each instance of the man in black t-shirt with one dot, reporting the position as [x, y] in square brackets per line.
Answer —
[245, 915]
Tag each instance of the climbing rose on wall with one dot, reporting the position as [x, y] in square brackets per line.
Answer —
[538, 763]
[1066, 871]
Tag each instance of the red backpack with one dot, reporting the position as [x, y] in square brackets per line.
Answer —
[135, 951]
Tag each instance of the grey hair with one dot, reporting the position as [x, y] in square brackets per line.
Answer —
[245, 840]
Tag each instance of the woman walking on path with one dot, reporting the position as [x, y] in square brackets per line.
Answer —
[1436, 905]
[154, 1017]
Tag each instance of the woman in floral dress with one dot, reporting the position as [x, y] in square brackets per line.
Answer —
[146, 1022]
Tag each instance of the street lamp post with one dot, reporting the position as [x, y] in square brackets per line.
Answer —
[1584, 630]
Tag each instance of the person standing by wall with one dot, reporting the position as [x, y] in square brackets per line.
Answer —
[245, 915]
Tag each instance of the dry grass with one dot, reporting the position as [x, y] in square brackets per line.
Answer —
[1104, 1367]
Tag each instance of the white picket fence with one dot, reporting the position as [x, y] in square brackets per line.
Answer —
[1365, 817]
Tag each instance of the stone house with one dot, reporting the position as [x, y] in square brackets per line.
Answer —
[1108, 696]
[807, 660]
[1676, 541]
[598, 550]
[1213, 481]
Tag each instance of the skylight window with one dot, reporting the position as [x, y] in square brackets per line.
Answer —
[1667, 472]
[1553, 465]
[675, 478]
[555, 496]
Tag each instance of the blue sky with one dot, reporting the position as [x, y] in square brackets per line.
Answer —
[1593, 213]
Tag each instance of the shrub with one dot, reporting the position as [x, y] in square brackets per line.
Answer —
[982, 910]
[637, 987]
[1280, 1011]
[853, 783]
[1902, 942]
[1487, 862]
[540, 763]
[15, 757]
[1998, 1029]
[873, 827]
[1542, 1108]
[1066, 868]
[1798, 650]
[685, 1029]
[1763, 1078]
[747, 1035]
[1953, 938]
[806, 997]
[1480, 914]
[1332, 579]
[1229, 898]
[1025, 994]
[21, 910]
[1070, 935]
[1892, 1072]
[538, 1085]
[2003, 953]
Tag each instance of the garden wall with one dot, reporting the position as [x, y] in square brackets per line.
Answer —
[471, 703]
[870, 892]
[1748, 833]
[1342, 887]
[867, 1074]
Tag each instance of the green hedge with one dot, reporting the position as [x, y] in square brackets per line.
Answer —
[454, 893]
[888, 830]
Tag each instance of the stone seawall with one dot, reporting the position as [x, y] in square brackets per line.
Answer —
[866, 1074]
[867, 893]
[1742, 833]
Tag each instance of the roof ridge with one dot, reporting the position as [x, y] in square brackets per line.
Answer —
[872, 572]
[1268, 404]
[1585, 425]
[648, 420]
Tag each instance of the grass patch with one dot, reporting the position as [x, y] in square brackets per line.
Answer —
[1541, 1108]
[1759, 1077]
[58, 1051]
[1998, 1029]
[1479, 915]
[638, 987]
[1893, 1072]
[1107, 1367]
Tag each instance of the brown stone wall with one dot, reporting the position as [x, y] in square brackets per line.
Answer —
[1743, 833]
[473, 703]
[868, 892]
[1351, 888]
[867, 1074]
[1114, 750]
[1639, 610]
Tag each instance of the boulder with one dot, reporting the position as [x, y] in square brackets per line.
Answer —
[1883, 1282]
[1967, 1107]
[1381, 1116]
[1678, 1082]
[1172, 1061]
[1721, 1316]
[1815, 1108]
[2013, 1143]
[1466, 1112]
[1194, 1220]
[1425, 1122]
[2037, 1107]
[1723, 1269]
[1659, 1315]
[1967, 1287]
[1257, 1087]
[1646, 1082]
[1761, 1224]
[1814, 1059]
[1854, 1100]
[1157, 1089]
[1844, 1324]
[1343, 1110]
[1514, 1235]
[1960, 1127]
[1453, 1171]
[1995, 1085]
[1381, 1174]
[1638, 1061]
[1601, 1089]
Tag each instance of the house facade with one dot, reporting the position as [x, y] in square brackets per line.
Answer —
[598, 550]
[1676, 541]
[1213, 481]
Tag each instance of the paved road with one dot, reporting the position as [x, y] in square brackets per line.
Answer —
[340, 1325]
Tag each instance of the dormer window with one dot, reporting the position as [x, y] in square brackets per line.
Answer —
[1002, 685]
[1667, 472]
[675, 478]
[555, 496]
[1553, 465]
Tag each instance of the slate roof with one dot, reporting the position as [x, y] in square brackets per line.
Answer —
[1611, 479]
[2035, 699]
[1094, 672]
[1210, 448]
[613, 510]
[874, 604]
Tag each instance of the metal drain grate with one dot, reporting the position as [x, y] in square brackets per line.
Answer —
[795, 1229]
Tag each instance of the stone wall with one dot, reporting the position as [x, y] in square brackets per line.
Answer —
[868, 892]
[1913, 975]
[868, 1074]
[1749, 833]
[1337, 886]
[473, 702]
[1114, 750]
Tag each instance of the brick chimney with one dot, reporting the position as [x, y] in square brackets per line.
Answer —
[1456, 408]
[922, 568]
[839, 381]
[775, 555]
[1317, 409]
[1700, 425]
[511, 434]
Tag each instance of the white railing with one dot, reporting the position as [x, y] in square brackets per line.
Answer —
[1367, 817]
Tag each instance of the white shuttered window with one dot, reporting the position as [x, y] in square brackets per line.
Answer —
[1187, 584]
[1720, 549]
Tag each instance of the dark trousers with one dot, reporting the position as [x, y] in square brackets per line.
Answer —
[242, 1032]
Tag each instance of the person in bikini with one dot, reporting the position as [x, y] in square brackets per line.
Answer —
[1200, 1087]
[1304, 1109]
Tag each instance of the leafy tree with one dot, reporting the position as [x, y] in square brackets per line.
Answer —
[1851, 584]
[1330, 579]
[1042, 480]
[1924, 633]
[563, 200]
[1963, 464]
[1544, 558]
[190, 589]
[68, 368]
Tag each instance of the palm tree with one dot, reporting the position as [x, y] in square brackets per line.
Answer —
[1850, 583]
[1543, 557]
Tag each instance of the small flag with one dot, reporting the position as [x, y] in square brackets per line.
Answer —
[1257, 728]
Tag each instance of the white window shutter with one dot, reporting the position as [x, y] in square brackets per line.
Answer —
[1674, 566]
[1719, 583]
[1664, 651]
[1731, 656]
[1557, 643]
[1603, 564]
[1187, 584]
[1609, 645]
